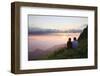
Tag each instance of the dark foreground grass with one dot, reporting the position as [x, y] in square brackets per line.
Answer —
[64, 53]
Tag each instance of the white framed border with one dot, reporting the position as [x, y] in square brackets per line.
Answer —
[25, 64]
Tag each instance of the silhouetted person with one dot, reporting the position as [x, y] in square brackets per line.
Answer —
[74, 43]
[69, 43]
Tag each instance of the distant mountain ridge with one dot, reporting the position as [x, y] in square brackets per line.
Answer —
[37, 31]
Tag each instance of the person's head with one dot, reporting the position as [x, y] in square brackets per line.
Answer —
[69, 39]
[74, 38]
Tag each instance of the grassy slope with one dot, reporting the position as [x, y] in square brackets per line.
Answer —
[80, 52]
[64, 53]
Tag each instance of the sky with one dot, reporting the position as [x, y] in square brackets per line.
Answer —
[62, 23]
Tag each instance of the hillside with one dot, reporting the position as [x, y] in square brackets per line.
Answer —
[38, 54]
[84, 34]
[80, 52]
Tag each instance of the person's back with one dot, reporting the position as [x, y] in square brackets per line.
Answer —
[75, 43]
[69, 43]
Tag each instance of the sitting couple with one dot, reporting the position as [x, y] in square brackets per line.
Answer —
[73, 44]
